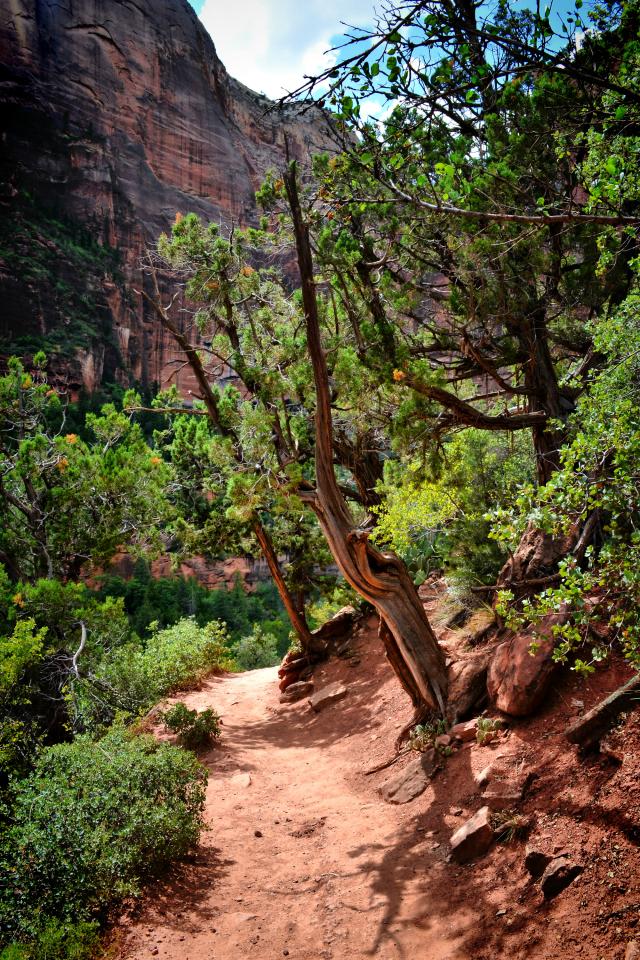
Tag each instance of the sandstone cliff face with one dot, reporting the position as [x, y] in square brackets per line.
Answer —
[115, 115]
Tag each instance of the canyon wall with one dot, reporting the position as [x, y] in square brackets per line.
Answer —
[114, 116]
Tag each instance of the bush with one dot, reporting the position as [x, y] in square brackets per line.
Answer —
[133, 677]
[598, 482]
[194, 729]
[91, 823]
[184, 653]
[258, 650]
[57, 941]
[435, 515]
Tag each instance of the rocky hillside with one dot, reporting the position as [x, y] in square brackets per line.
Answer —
[115, 115]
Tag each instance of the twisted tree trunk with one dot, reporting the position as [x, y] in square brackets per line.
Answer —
[382, 579]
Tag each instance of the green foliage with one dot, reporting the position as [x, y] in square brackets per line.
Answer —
[422, 737]
[487, 729]
[195, 729]
[20, 733]
[58, 940]
[66, 500]
[258, 649]
[132, 677]
[329, 603]
[90, 825]
[18, 652]
[435, 515]
[596, 484]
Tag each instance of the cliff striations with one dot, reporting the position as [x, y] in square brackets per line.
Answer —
[114, 116]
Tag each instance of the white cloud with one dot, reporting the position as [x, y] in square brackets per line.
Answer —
[270, 45]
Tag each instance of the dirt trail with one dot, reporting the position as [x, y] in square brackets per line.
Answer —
[306, 861]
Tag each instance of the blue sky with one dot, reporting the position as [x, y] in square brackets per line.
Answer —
[270, 44]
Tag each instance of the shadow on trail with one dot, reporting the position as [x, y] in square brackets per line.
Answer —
[179, 900]
[296, 725]
[421, 890]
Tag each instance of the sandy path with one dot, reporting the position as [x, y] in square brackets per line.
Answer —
[306, 861]
[335, 872]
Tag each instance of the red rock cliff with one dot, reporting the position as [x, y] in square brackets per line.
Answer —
[115, 114]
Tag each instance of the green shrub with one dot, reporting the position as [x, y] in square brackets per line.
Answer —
[598, 482]
[259, 649]
[57, 941]
[435, 514]
[194, 729]
[422, 737]
[92, 822]
[133, 677]
[15, 951]
[184, 653]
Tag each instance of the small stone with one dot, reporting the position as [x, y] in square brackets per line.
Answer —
[296, 691]
[465, 731]
[502, 795]
[288, 680]
[411, 781]
[557, 876]
[473, 838]
[332, 693]
[241, 780]
[257, 833]
[483, 778]
[444, 740]
[500, 913]
[154, 952]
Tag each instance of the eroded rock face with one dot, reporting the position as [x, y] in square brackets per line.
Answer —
[116, 115]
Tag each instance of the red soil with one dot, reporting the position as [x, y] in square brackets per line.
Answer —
[308, 862]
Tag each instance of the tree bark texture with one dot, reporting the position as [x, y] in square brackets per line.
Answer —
[382, 579]
[310, 646]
